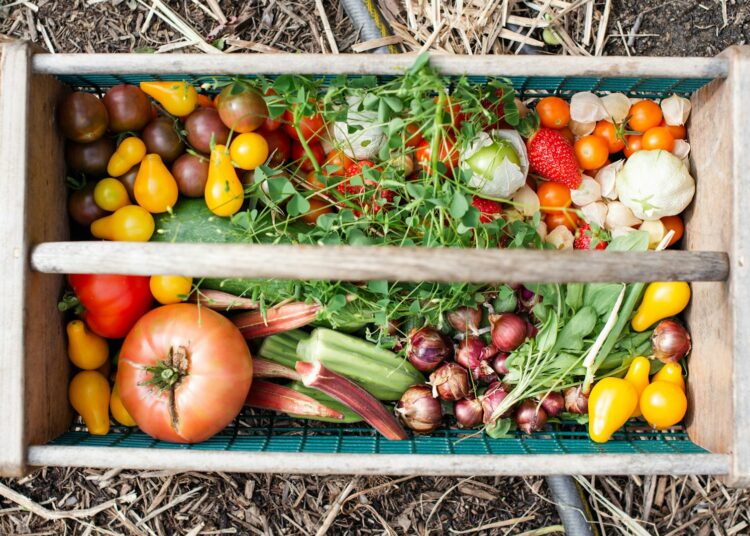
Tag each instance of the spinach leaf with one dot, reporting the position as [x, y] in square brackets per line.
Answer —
[635, 241]
[577, 328]
[601, 296]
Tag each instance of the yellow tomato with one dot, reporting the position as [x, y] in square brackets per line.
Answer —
[177, 98]
[118, 410]
[155, 188]
[86, 350]
[130, 152]
[249, 150]
[110, 194]
[611, 403]
[89, 395]
[661, 300]
[663, 404]
[672, 373]
[128, 224]
[170, 288]
[224, 192]
[638, 376]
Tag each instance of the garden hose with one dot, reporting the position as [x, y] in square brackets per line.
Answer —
[370, 23]
[572, 506]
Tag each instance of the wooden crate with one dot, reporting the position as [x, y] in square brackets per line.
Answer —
[34, 370]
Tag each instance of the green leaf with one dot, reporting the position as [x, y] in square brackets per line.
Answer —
[326, 221]
[297, 205]
[459, 205]
[394, 103]
[575, 330]
[422, 60]
[635, 241]
[471, 218]
[383, 112]
[547, 336]
[336, 303]
[499, 429]
[601, 296]
[506, 300]
[379, 287]
[574, 295]
[415, 190]
[279, 189]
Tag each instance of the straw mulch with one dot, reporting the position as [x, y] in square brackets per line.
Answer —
[67, 501]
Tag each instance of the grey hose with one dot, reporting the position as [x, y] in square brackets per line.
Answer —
[365, 22]
[573, 513]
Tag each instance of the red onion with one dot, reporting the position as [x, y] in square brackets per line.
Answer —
[576, 401]
[531, 330]
[529, 417]
[468, 412]
[553, 403]
[419, 410]
[499, 363]
[465, 319]
[484, 373]
[527, 299]
[470, 352]
[508, 331]
[671, 341]
[428, 348]
[491, 399]
[450, 382]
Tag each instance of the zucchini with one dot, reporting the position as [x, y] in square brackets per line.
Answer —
[380, 372]
[349, 415]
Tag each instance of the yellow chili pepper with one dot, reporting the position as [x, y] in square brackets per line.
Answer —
[672, 373]
[660, 301]
[118, 410]
[177, 98]
[130, 152]
[89, 395]
[86, 350]
[155, 188]
[663, 404]
[611, 404]
[224, 193]
[638, 376]
[128, 224]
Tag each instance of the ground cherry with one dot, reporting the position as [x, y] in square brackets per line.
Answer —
[553, 112]
[644, 115]
[612, 134]
[658, 138]
[169, 289]
[663, 404]
[567, 218]
[110, 194]
[632, 144]
[552, 196]
[591, 152]
[673, 223]
[678, 131]
[248, 150]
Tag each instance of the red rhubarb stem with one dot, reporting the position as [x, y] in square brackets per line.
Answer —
[353, 396]
[265, 368]
[275, 397]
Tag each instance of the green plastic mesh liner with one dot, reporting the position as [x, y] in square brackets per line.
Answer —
[267, 433]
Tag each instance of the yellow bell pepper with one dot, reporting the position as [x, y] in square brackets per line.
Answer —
[638, 376]
[155, 188]
[177, 98]
[611, 403]
[86, 350]
[89, 395]
[661, 300]
[672, 373]
[224, 193]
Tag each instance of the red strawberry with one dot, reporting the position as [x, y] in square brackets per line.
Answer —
[363, 194]
[552, 157]
[487, 209]
[585, 236]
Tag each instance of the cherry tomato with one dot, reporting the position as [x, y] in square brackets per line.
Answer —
[130, 223]
[567, 218]
[632, 144]
[644, 115]
[658, 138]
[299, 155]
[415, 137]
[678, 131]
[314, 179]
[279, 146]
[110, 194]
[553, 195]
[448, 154]
[170, 288]
[83, 208]
[128, 108]
[593, 172]
[117, 410]
[155, 188]
[609, 133]
[184, 373]
[269, 125]
[591, 152]
[205, 101]
[311, 126]
[452, 110]
[553, 112]
[673, 223]
[317, 207]
[129, 153]
[241, 107]
[336, 163]
[82, 117]
[663, 404]
[89, 395]
[112, 303]
[248, 150]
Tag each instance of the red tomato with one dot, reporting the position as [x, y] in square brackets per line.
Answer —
[553, 195]
[553, 112]
[279, 146]
[568, 219]
[673, 223]
[415, 137]
[269, 125]
[112, 303]
[609, 132]
[448, 154]
[311, 126]
[184, 373]
[299, 154]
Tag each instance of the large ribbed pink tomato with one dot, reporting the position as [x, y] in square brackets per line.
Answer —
[184, 373]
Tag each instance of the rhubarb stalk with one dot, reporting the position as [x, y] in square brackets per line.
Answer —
[265, 368]
[275, 397]
[353, 396]
[256, 324]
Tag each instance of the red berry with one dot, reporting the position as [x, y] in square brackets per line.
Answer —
[552, 157]
[365, 194]
[585, 236]
[487, 208]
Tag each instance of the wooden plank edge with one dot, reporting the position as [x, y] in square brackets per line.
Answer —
[480, 65]
[379, 464]
[15, 68]
[353, 263]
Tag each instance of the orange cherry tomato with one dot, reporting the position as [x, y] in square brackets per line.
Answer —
[300, 155]
[609, 133]
[678, 131]
[205, 101]
[591, 152]
[658, 138]
[644, 115]
[317, 207]
[415, 137]
[673, 223]
[447, 154]
[632, 144]
[311, 127]
[593, 172]
[567, 218]
[553, 112]
[313, 179]
[553, 195]
[336, 163]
